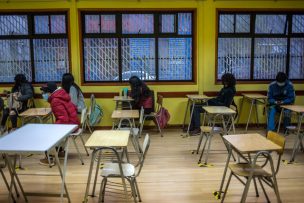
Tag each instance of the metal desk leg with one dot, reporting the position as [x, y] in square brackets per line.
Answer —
[218, 193]
[249, 116]
[280, 119]
[186, 113]
[241, 110]
[14, 175]
[256, 113]
[188, 129]
[298, 140]
[96, 173]
[85, 199]
[63, 171]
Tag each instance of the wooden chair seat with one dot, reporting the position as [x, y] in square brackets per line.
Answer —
[244, 169]
[207, 129]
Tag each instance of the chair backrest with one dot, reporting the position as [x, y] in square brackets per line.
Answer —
[277, 139]
[30, 103]
[141, 115]
[234, 107]
[146, 145]
[83, 116]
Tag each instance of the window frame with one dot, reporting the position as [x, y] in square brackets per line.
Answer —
[252, 35]
[118, 34]
[31, 36]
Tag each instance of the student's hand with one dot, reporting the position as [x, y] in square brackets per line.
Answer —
[278, 102]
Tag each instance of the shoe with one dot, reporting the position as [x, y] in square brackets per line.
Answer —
[45, 162]
[194, 132]
[61, 154]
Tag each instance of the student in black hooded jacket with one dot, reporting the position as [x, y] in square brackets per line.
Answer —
[224, 98]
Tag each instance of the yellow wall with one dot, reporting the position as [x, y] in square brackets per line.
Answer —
[206, 22]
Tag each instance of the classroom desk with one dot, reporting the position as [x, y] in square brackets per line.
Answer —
[299, 110]
[254, 99]
[245, 144]
[105, 138]
[192, 100]
[36, 139]
[121, 99]
[216, 112]
[41, 114]
[129, 115]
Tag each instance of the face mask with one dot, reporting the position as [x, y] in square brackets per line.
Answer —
[45, 96]
[281, 83]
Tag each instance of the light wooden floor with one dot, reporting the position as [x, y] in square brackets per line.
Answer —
[170, 174]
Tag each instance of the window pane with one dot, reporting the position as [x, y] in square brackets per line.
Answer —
[137, 24]
[138, 58]
[51, 59]
[269, 57]
[185, 23]
[101, 59]
[42, 25]
[167, 23]
[13, 25]
[58, 24]
[234, 57]
[92, 24]
[270, 24]
[226, 24]
[108, 24]
[298, 23]
[175, 58]
[296, 63]
[14, 59]
[242, 24]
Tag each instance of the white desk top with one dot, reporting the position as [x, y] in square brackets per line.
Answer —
[108, 138]
[35, 138]
[197, 97]
[295, 108]
[122, 98]
[254, 96]
[36, 112]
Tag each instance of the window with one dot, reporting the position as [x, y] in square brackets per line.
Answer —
[254, 46]
[35, 44]
[155, 46]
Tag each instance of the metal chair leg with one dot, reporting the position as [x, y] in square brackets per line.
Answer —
[264, 191]
[256, 188]
[200, 142]
[82, 141]
[200, 159]
[208, 150]
[161, 134]
[138, 194]
[226, 188]
[80, 157]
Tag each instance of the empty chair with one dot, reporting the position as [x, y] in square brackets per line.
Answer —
[154, 115]
[79, 134]
[129, 171]
[254, 171]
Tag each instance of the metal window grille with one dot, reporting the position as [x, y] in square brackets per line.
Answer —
[184, 23]
[234, 57]
[175, 58]
[298, 23]
[168, 23]
[42, 24]
[271, 24]
[226, 24]
[296, 67]
[101, 59]
[13, 25]
[137, 24]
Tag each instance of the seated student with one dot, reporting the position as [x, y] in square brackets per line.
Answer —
[141, 94]
[64, 110]
[281, 91]
[224, 98]
[26, 91]
[74, 90]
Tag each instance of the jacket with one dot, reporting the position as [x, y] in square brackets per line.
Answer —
[224, 97]
[285, 94]
[64, 110]
[77, 99]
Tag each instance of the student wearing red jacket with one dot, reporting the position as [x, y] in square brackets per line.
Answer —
[64, 110]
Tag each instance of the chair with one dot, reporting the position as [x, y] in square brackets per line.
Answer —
[92, 104]
[252, 170]
[129, 171]
[154, 115]
[79, 134]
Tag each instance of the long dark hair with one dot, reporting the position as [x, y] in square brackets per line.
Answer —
[138, 89]
[68, 81]
[228, 79]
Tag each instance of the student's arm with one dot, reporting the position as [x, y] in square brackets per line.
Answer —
[228, 97]
[59, 112]
[271, 99]
[290, 95]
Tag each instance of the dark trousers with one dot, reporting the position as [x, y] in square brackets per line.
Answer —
[6, 114]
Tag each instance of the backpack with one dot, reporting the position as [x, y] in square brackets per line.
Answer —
[163, 117]
[12, 103]
[96, 112]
